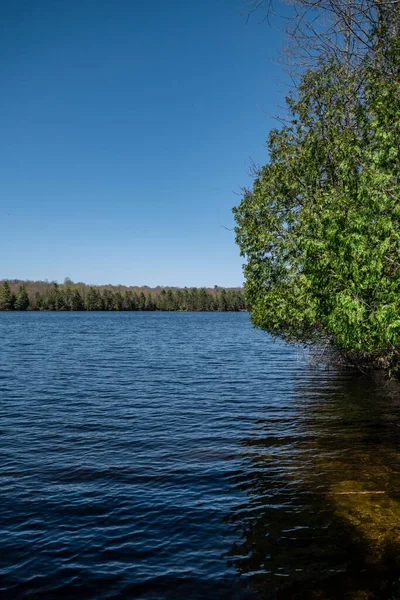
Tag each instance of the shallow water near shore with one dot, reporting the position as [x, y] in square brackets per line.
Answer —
[187, 455]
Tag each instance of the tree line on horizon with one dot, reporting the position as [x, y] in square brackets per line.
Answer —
[69, 296]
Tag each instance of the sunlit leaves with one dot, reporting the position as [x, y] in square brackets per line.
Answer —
[321, 227]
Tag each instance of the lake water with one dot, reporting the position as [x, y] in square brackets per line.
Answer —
[187, 455]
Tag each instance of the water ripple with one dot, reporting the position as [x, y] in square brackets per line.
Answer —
[184, 455]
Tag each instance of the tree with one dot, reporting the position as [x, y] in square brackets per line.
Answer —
[321, 226]
[150, 305]
[54, 299]
[129, 301]
[76, 301]
[350, 31]
[223, 301]
[22, 301]
[42, 295]
[93, 300]
[162, 300]
[38, 305]
[7, 299]
[142, 301]
[118, 301]
[194, 299]
[203, 302]
[108, 300]
[171, 303]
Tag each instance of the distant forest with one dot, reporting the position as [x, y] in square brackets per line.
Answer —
[70, 296]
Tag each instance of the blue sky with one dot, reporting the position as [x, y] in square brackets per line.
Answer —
[127, 130]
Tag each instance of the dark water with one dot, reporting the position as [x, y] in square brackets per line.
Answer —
[184, 455]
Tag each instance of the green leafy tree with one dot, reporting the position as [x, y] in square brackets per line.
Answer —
[22, 301]
[321, 227]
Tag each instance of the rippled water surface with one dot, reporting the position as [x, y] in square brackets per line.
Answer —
[187, 455]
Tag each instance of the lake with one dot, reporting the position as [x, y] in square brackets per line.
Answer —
[188, 455]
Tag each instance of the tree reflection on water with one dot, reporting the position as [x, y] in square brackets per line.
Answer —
[321, 476]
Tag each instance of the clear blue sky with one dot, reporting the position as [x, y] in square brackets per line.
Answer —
[127, 130]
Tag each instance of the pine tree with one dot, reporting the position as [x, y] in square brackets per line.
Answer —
[142, 301]
[38, 301]
[76, 301]
[118, 301]
[7, 299]
[56, 300]
[162, 300]
[203, 300]
[150, 305]
[171, 301]
[108, 300]
[22, 301]
[94, 300]
[223, 301]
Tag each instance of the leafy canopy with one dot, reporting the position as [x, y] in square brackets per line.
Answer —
[321, 227]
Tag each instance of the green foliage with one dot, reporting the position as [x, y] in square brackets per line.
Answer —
[76, 301]
[94, 300]
[74, 297]
[56, 298]
[22, 301]
[321, 227]
[7, 299]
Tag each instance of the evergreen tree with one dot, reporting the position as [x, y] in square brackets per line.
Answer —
[150, 304]
[38, 301]
[136, 301]
[186, 299]
[108, 300]
[321, 227]
[76, 300]
[193, 299]
[118, 301]
[162, 300]
[171, 301]
[142, 301]
[22, 301]
[7, 299]
[55, 299]
[93, 300]
[222, 301]
[179, 300]
[129, 301]
[69, 296]
[203, 300]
